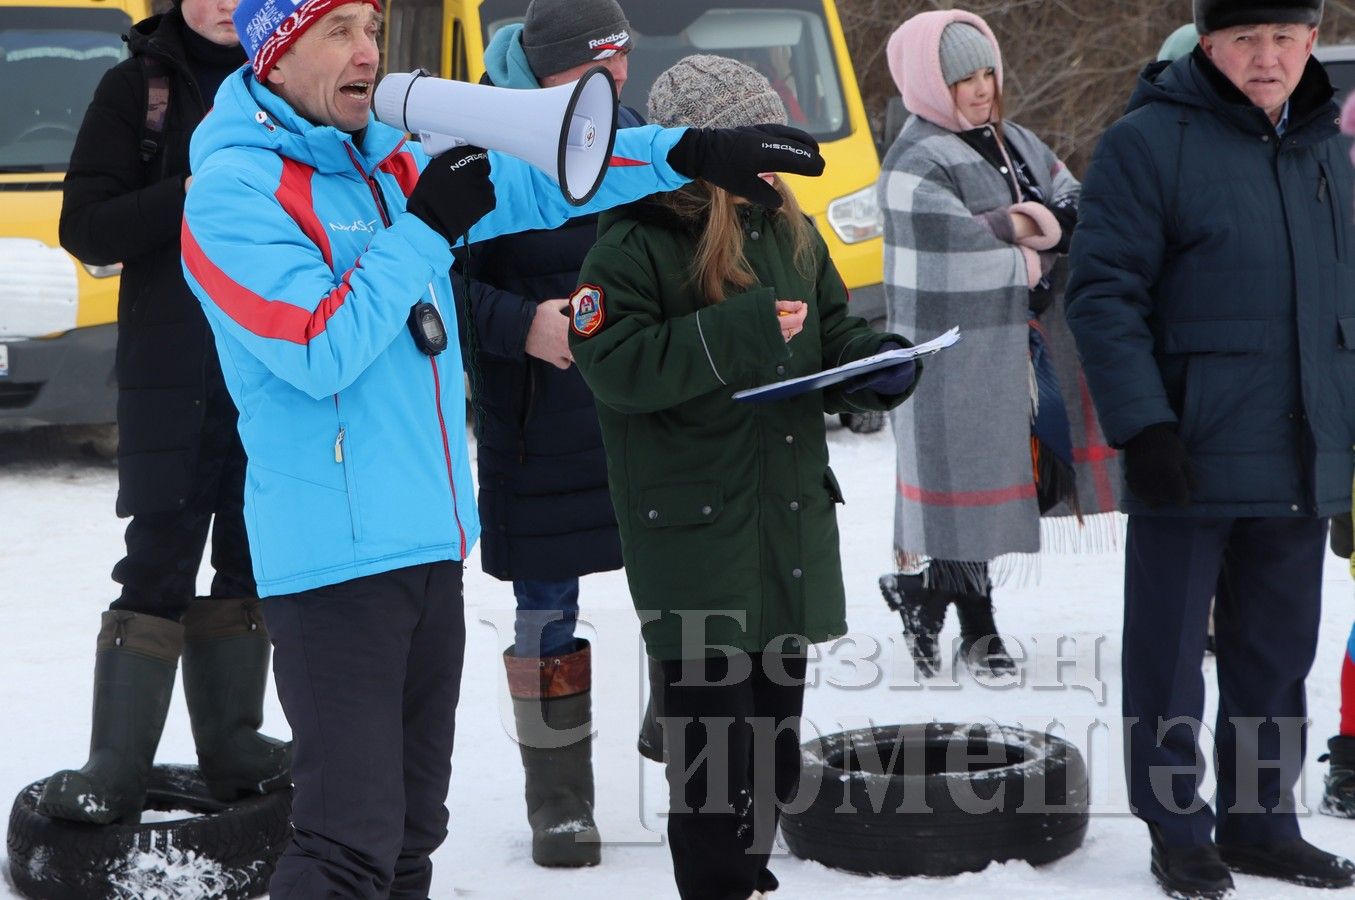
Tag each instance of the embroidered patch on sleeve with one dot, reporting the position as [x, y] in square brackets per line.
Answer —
[589, 311]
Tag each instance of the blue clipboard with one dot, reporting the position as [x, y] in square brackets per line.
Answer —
[793, 387]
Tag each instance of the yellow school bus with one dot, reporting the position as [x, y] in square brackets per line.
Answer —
[57, 331]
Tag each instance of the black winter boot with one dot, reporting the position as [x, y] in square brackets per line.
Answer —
[924, 615]
[1189, 873]
[1296, 861]
[225, 673]
[133, 679]
[1339, 798]
[650, 742]
[981, 646]
[552, 706]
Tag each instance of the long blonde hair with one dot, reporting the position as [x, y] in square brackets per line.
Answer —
[720, 263]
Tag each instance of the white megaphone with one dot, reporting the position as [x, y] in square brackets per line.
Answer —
[446, 114]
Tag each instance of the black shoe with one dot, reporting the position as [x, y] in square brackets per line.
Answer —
[1339, 798]
[1295, 861]
[924, 615]
[981, 646]
[1189, 873]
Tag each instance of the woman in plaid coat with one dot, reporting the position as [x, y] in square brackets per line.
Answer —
[977, 212]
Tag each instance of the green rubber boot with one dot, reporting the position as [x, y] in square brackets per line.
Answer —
[225, 674]
[552, 706]
[133, 680]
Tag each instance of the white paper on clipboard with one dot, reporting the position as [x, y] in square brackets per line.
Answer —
[794, 386]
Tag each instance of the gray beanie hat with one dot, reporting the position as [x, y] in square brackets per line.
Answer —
[964, 51]
[561, 34]
[1215, 15]
[713, 92]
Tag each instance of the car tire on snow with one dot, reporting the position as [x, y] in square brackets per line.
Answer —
[226, 851]
[937, 799]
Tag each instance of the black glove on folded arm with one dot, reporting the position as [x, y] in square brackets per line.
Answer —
[1157, 467]
[453, 192]
[890, 382]
[1065, 212]
[732, 158]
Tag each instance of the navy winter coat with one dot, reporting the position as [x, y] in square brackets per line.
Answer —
[545, 510]
[1212, 287]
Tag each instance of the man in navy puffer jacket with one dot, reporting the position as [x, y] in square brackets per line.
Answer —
[1212, 296]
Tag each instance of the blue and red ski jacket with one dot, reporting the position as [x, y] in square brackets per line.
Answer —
[297, 244]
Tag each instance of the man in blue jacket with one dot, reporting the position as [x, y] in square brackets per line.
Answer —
[546, 510]
[319, 244]
[1213, 302]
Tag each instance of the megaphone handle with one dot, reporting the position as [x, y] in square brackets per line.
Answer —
[433, 144]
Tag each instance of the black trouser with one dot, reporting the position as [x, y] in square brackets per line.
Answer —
[1265, 628]
[733, 758]
[164, 550]
[369, 673]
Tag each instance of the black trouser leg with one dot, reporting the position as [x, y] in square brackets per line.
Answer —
[1265, 625]
[231, 563]
[732, 736]
[432, 689]
[368, 672]
[1171, 570]
[159, 572]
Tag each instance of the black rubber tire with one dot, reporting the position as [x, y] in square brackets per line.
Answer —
[226, 852]
[861, 817]
[863, 423]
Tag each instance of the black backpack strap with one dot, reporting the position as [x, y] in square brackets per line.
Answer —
[157, 105]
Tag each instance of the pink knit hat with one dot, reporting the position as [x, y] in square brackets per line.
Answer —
[914, 54]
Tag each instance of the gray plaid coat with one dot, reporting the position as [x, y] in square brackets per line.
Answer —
[965, 483]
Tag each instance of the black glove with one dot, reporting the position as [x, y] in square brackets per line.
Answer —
[1065, 212]
[732, 158]
[453, 192]
[1157, 467]
[890, 382]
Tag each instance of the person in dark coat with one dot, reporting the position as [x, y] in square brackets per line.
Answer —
[1213, 302]
[545, 511]
[727, 510]
[180, 464]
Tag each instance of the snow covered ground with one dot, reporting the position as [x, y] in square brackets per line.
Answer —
[61, 539]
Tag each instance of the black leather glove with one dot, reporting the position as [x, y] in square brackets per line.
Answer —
[732, 158]
[1342, 536]
[890, 382]
[453, 192]
[1157, 467]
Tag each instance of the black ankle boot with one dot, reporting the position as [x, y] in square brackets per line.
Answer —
[980, 644]
[1339, 798]
[1189, 873]
[924, 615]
[1295, 861]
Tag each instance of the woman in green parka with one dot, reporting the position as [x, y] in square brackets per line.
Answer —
[726, 508]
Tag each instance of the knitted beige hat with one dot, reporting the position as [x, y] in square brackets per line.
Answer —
[713, 92]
